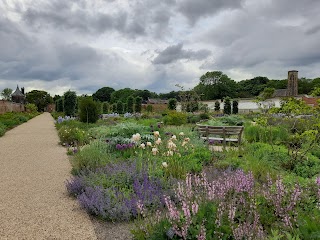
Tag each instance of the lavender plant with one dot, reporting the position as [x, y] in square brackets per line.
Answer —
[115, 191]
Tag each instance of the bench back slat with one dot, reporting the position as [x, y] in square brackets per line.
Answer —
[224, 131]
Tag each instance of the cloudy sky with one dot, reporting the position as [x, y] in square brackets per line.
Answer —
[83, 45]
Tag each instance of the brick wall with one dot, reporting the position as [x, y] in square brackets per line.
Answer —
[311, 101]
[6, 106]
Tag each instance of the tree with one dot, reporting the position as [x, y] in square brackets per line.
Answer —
[315, 92]
[69, 103]
[6, 94]
[251, 87]
[130, 103]
[120, 107]
[59, 105]
[267, 93]
[172, 104]
[114, 108]
[149, 108]
[217, 106]
[56, 97]
[216, 85]
[235, 108]
[39, 98]
[103, 94]
[227, 105]
[105, 107]
[122, 95]
[88, 110]
[138, 104]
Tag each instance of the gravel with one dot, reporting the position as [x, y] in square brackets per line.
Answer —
[34, 203]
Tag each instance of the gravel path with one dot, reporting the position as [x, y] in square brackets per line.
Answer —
[33, 200]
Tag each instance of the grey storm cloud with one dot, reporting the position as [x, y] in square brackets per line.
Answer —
[116, 43]
[175, 52]
[142, 17]
[25, 58]
[258, 38]
[193, 10]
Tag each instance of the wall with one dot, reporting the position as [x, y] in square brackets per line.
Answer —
[6, 106]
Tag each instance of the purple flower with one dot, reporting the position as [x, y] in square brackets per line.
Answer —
[119, 146]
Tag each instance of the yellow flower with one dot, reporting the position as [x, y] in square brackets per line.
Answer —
[156, 133]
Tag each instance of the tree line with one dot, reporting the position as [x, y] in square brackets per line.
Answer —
[212, 86]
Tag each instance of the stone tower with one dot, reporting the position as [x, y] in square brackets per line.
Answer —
[292, 89]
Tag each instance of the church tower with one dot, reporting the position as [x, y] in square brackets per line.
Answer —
[292, 89]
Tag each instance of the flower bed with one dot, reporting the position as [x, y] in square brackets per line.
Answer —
[168, 181]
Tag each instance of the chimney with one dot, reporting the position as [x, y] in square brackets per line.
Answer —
[292, 89]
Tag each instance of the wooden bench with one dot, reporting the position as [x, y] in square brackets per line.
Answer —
[222, 134]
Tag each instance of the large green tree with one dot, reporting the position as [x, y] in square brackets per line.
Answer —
[103, 94]
[6, 94]
[88, 110]
[69, 103]
[216, 85]
[122, 95]
[39, 98]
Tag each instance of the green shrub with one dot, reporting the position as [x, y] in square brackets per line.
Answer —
[126, 129]
[272, 135]
[59, 105]
[130, 104]
[105, 107]
[232, 120]
[2, 129]
[172, 104]
[88, 110]
[204, 116]
[193, 118]
[32, 108]
[235, 108]
[120, 107]
[149, 108]
[227, 105]
[217, 106]
[72, 136]
[138, 104]
[175, 118]
[91, 156]
[308, 167]
[69, 103]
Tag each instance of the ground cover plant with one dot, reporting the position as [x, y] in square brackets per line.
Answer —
[12, 119]
[166, 180]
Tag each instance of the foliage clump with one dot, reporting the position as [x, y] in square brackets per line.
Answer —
[69, 103]
[88, 110]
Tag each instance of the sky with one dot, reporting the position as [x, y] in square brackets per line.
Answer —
[83, 45]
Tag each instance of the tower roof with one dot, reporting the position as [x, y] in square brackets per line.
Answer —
[17, 92]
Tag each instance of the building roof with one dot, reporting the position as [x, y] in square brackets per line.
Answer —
[312, 101]
[280, 93]
[156, 101]
[17, 93]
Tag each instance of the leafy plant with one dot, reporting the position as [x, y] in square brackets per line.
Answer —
[175, 118]
[172, 104]
[88, 110]
[69, 103]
